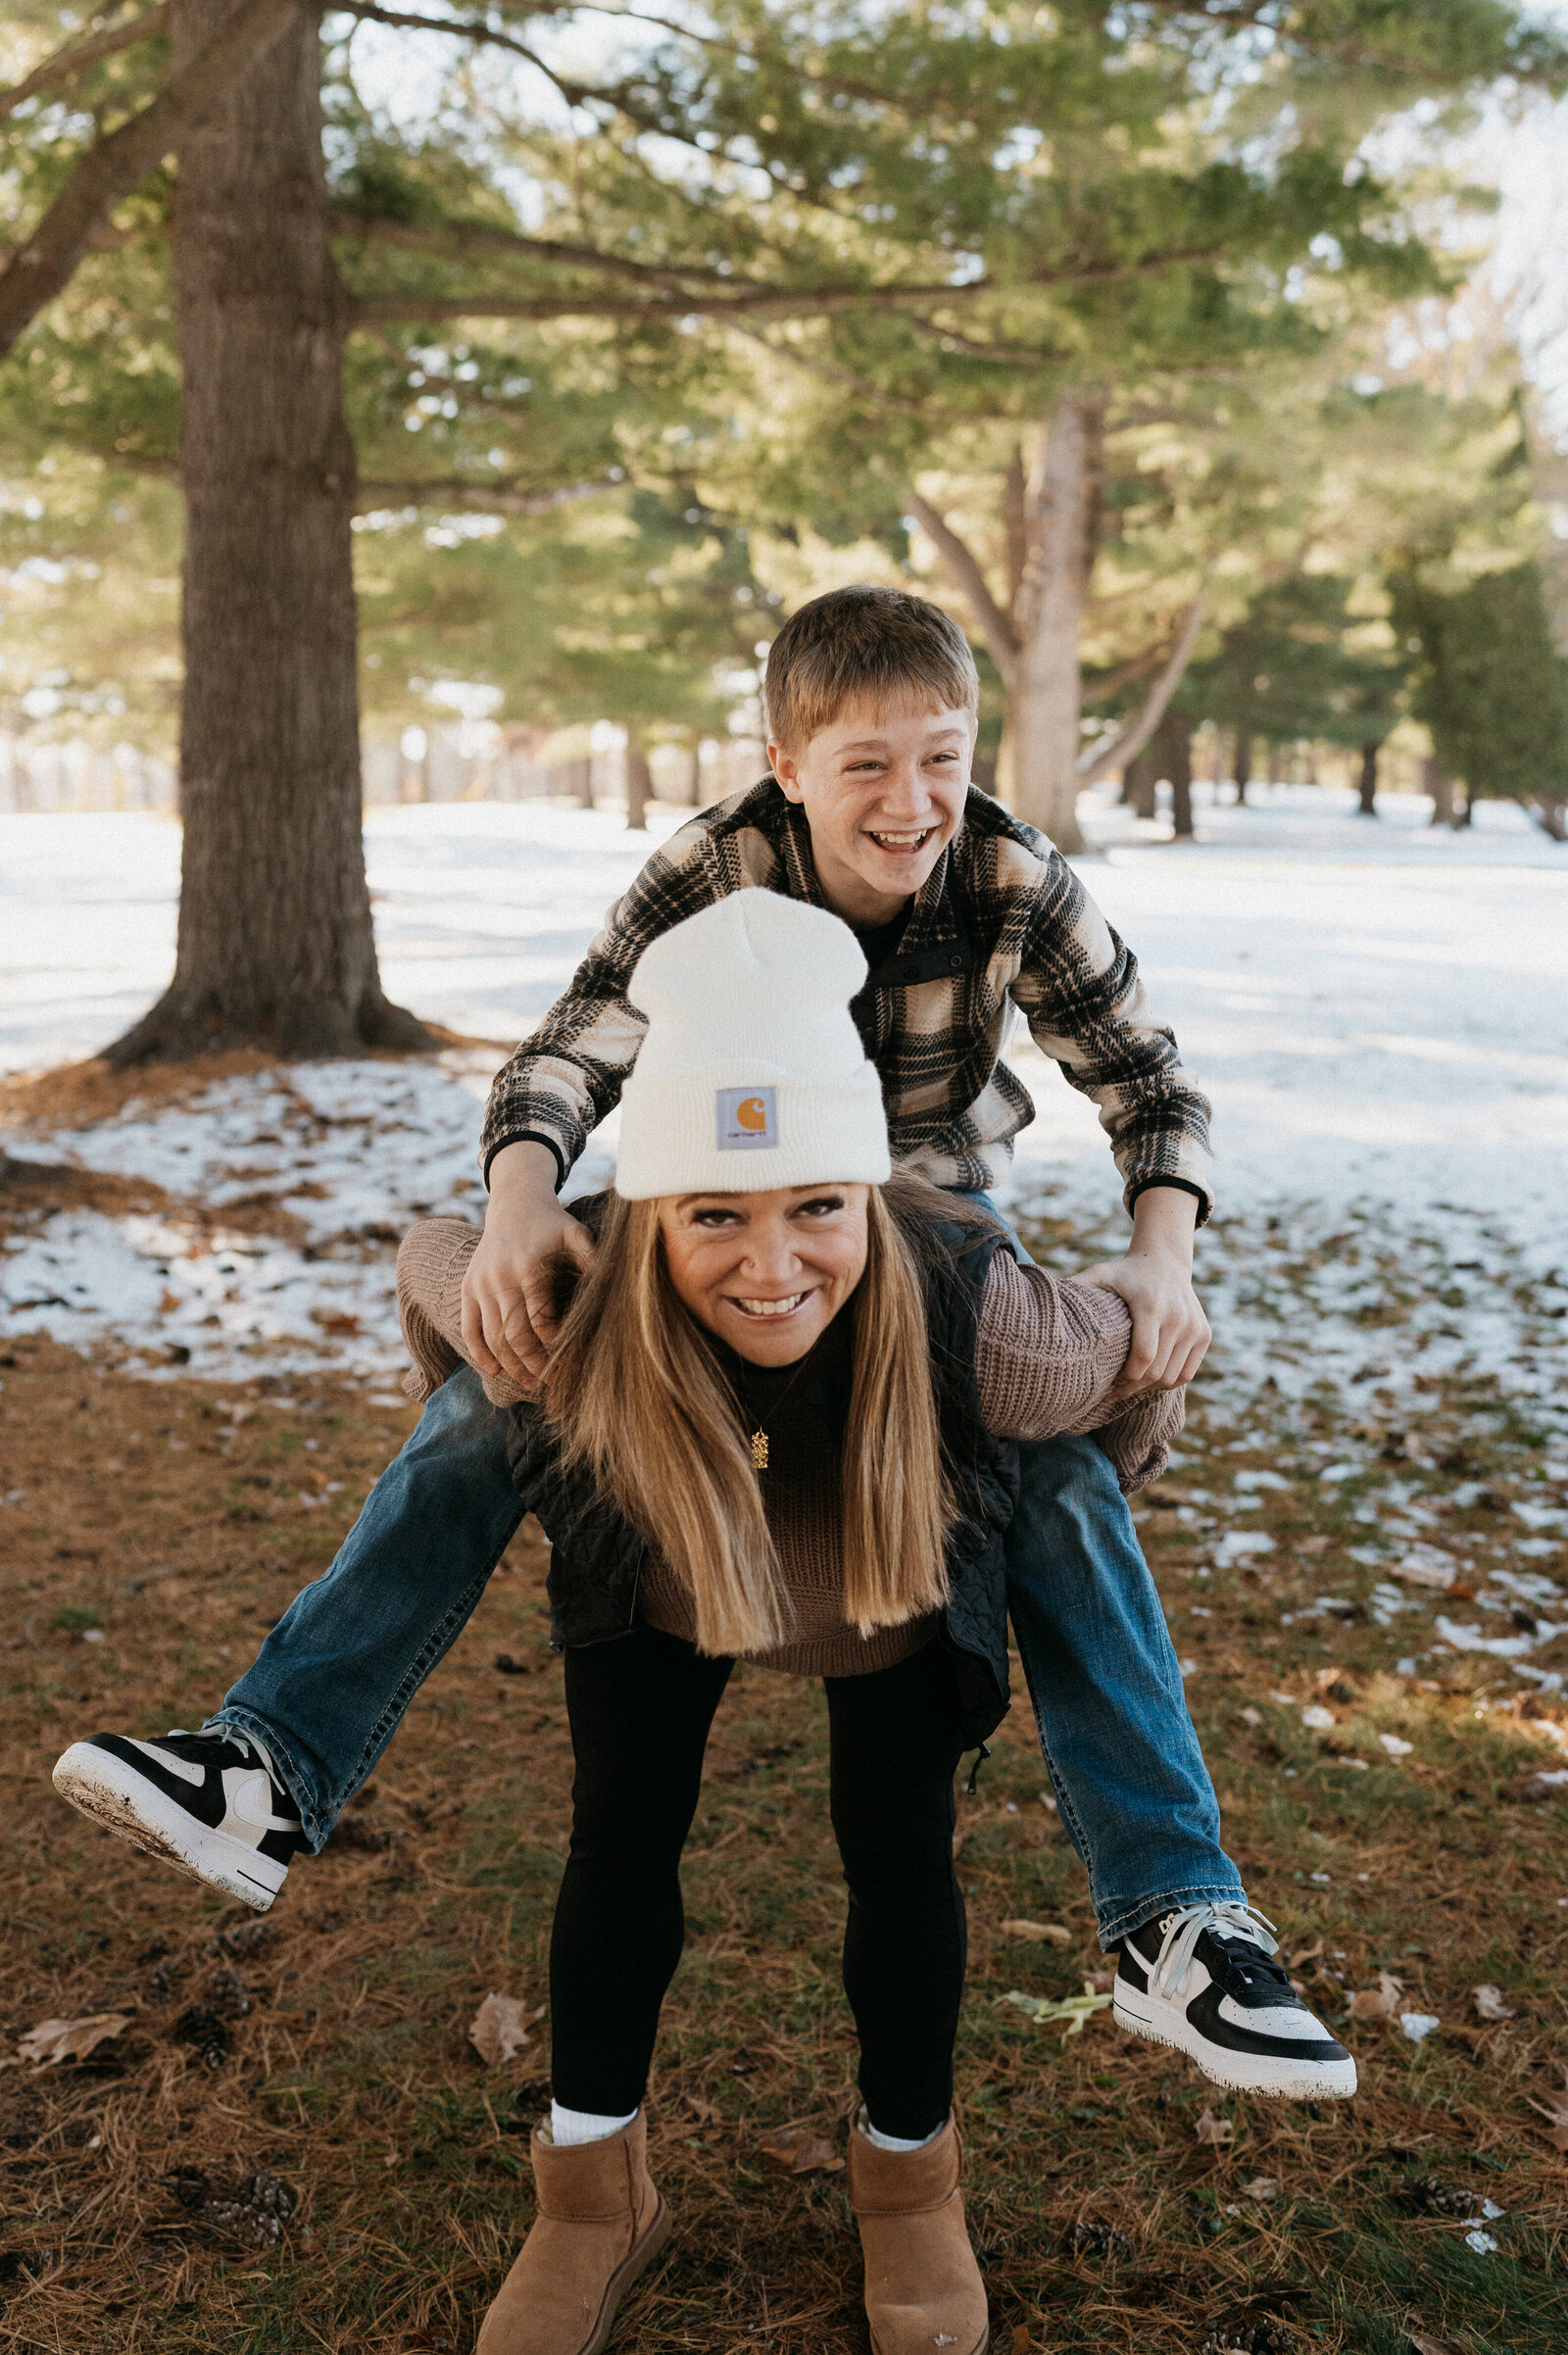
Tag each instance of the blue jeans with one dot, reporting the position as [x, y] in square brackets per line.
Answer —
[332, 1679]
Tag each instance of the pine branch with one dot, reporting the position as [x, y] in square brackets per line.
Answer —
[460, 238]
[504, 496]
[115, 167]
[1114, 751]
[65, 64]
[969, 579]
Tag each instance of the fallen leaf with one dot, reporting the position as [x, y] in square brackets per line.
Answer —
[1394, 1747]
[1381, 2002]
[1490, 2004]
[1554, 2109]
[1261, 2187]
[1211, 2129]
[1317, 1719]
[335, 1320]
[496, 2032]
[706, 2113]
[1074, 2009]
[799, 2151]
[53, 2040]
[1039, 1930]
[1251, 1717]
[1020, 2338]
[1428, 2347]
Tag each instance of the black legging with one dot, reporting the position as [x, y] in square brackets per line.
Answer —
[640, 1709]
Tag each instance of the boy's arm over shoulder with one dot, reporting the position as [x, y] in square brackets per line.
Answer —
[1079, 989]
[570, 1071]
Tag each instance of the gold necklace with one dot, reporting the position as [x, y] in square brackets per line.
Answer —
[759, 1434]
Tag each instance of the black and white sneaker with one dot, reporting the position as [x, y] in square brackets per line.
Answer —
[208, 1804]
[1204, 1980]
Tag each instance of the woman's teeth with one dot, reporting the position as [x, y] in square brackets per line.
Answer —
[771, 1307]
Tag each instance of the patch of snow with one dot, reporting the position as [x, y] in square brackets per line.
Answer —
[1370, 1004]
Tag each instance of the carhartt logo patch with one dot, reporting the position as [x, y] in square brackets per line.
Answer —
[748, 1119]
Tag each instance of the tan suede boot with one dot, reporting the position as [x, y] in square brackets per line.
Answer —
[922, 2285]
[600, 2223]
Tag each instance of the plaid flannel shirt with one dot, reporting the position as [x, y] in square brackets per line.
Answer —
[1002, 926]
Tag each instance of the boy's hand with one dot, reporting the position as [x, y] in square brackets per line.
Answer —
[1170, 1332]
[508, 1294]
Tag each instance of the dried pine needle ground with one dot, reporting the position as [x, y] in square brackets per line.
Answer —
[329, 2051]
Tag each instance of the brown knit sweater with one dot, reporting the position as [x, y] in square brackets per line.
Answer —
[1047, 1353]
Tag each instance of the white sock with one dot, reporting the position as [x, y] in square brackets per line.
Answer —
[567, 2127]
[879, 2142]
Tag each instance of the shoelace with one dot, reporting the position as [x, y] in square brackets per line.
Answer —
[232, 1736]
[1183, 1930]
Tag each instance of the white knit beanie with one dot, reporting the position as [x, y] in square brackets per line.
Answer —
[751, 1074]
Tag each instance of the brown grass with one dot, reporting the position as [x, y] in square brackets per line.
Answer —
[178, 1525]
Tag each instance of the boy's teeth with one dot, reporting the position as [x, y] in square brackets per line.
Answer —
[771, 1307]
[901, 841]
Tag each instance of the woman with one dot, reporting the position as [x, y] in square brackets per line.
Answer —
[778, 1424]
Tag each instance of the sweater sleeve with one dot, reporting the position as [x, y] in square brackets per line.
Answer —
[432, 1262]
[1049, 1353]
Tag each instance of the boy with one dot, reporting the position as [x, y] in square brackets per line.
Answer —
[965, 915]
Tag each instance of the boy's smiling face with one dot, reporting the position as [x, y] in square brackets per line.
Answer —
[883, 789]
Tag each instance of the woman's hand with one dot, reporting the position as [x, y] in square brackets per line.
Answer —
[508, 1294]
[1170, 1332]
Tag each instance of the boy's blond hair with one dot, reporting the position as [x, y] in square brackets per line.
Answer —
[876, 645]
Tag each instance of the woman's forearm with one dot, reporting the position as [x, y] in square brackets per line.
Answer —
[1047, 1361]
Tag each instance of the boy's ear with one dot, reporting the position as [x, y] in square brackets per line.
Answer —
[785, 769]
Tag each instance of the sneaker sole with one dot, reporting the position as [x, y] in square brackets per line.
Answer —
[113, 1795]
[1237, 2072]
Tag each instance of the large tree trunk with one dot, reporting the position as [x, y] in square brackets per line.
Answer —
[1044, 736]
[1369, 780]
[276, 946]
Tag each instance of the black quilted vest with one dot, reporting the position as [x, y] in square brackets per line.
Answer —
[596, 1556]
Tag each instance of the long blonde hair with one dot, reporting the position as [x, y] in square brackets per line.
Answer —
[637, 1396]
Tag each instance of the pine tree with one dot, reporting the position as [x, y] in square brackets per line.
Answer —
[1492, 688]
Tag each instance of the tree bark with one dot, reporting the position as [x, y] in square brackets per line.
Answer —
[1244, 765]
[1142, 780]
[1174, 760]
[1438, 782]
[1551, 815]
[1045, 702]
[275, 945]
[639, 783]
[1369, 780]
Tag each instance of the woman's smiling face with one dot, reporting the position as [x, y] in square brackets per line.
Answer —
[766, 1272]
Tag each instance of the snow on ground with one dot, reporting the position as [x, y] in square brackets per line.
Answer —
[1379, 1010]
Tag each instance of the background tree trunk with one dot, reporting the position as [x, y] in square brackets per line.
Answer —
[275, 945]
[1043, 735]
[1438, 782]
[1244, 765]
[1368, 787]
[639, 783]
[1141, 782]
[1175, 762]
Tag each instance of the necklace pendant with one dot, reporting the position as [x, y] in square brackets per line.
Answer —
[759, 1451]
